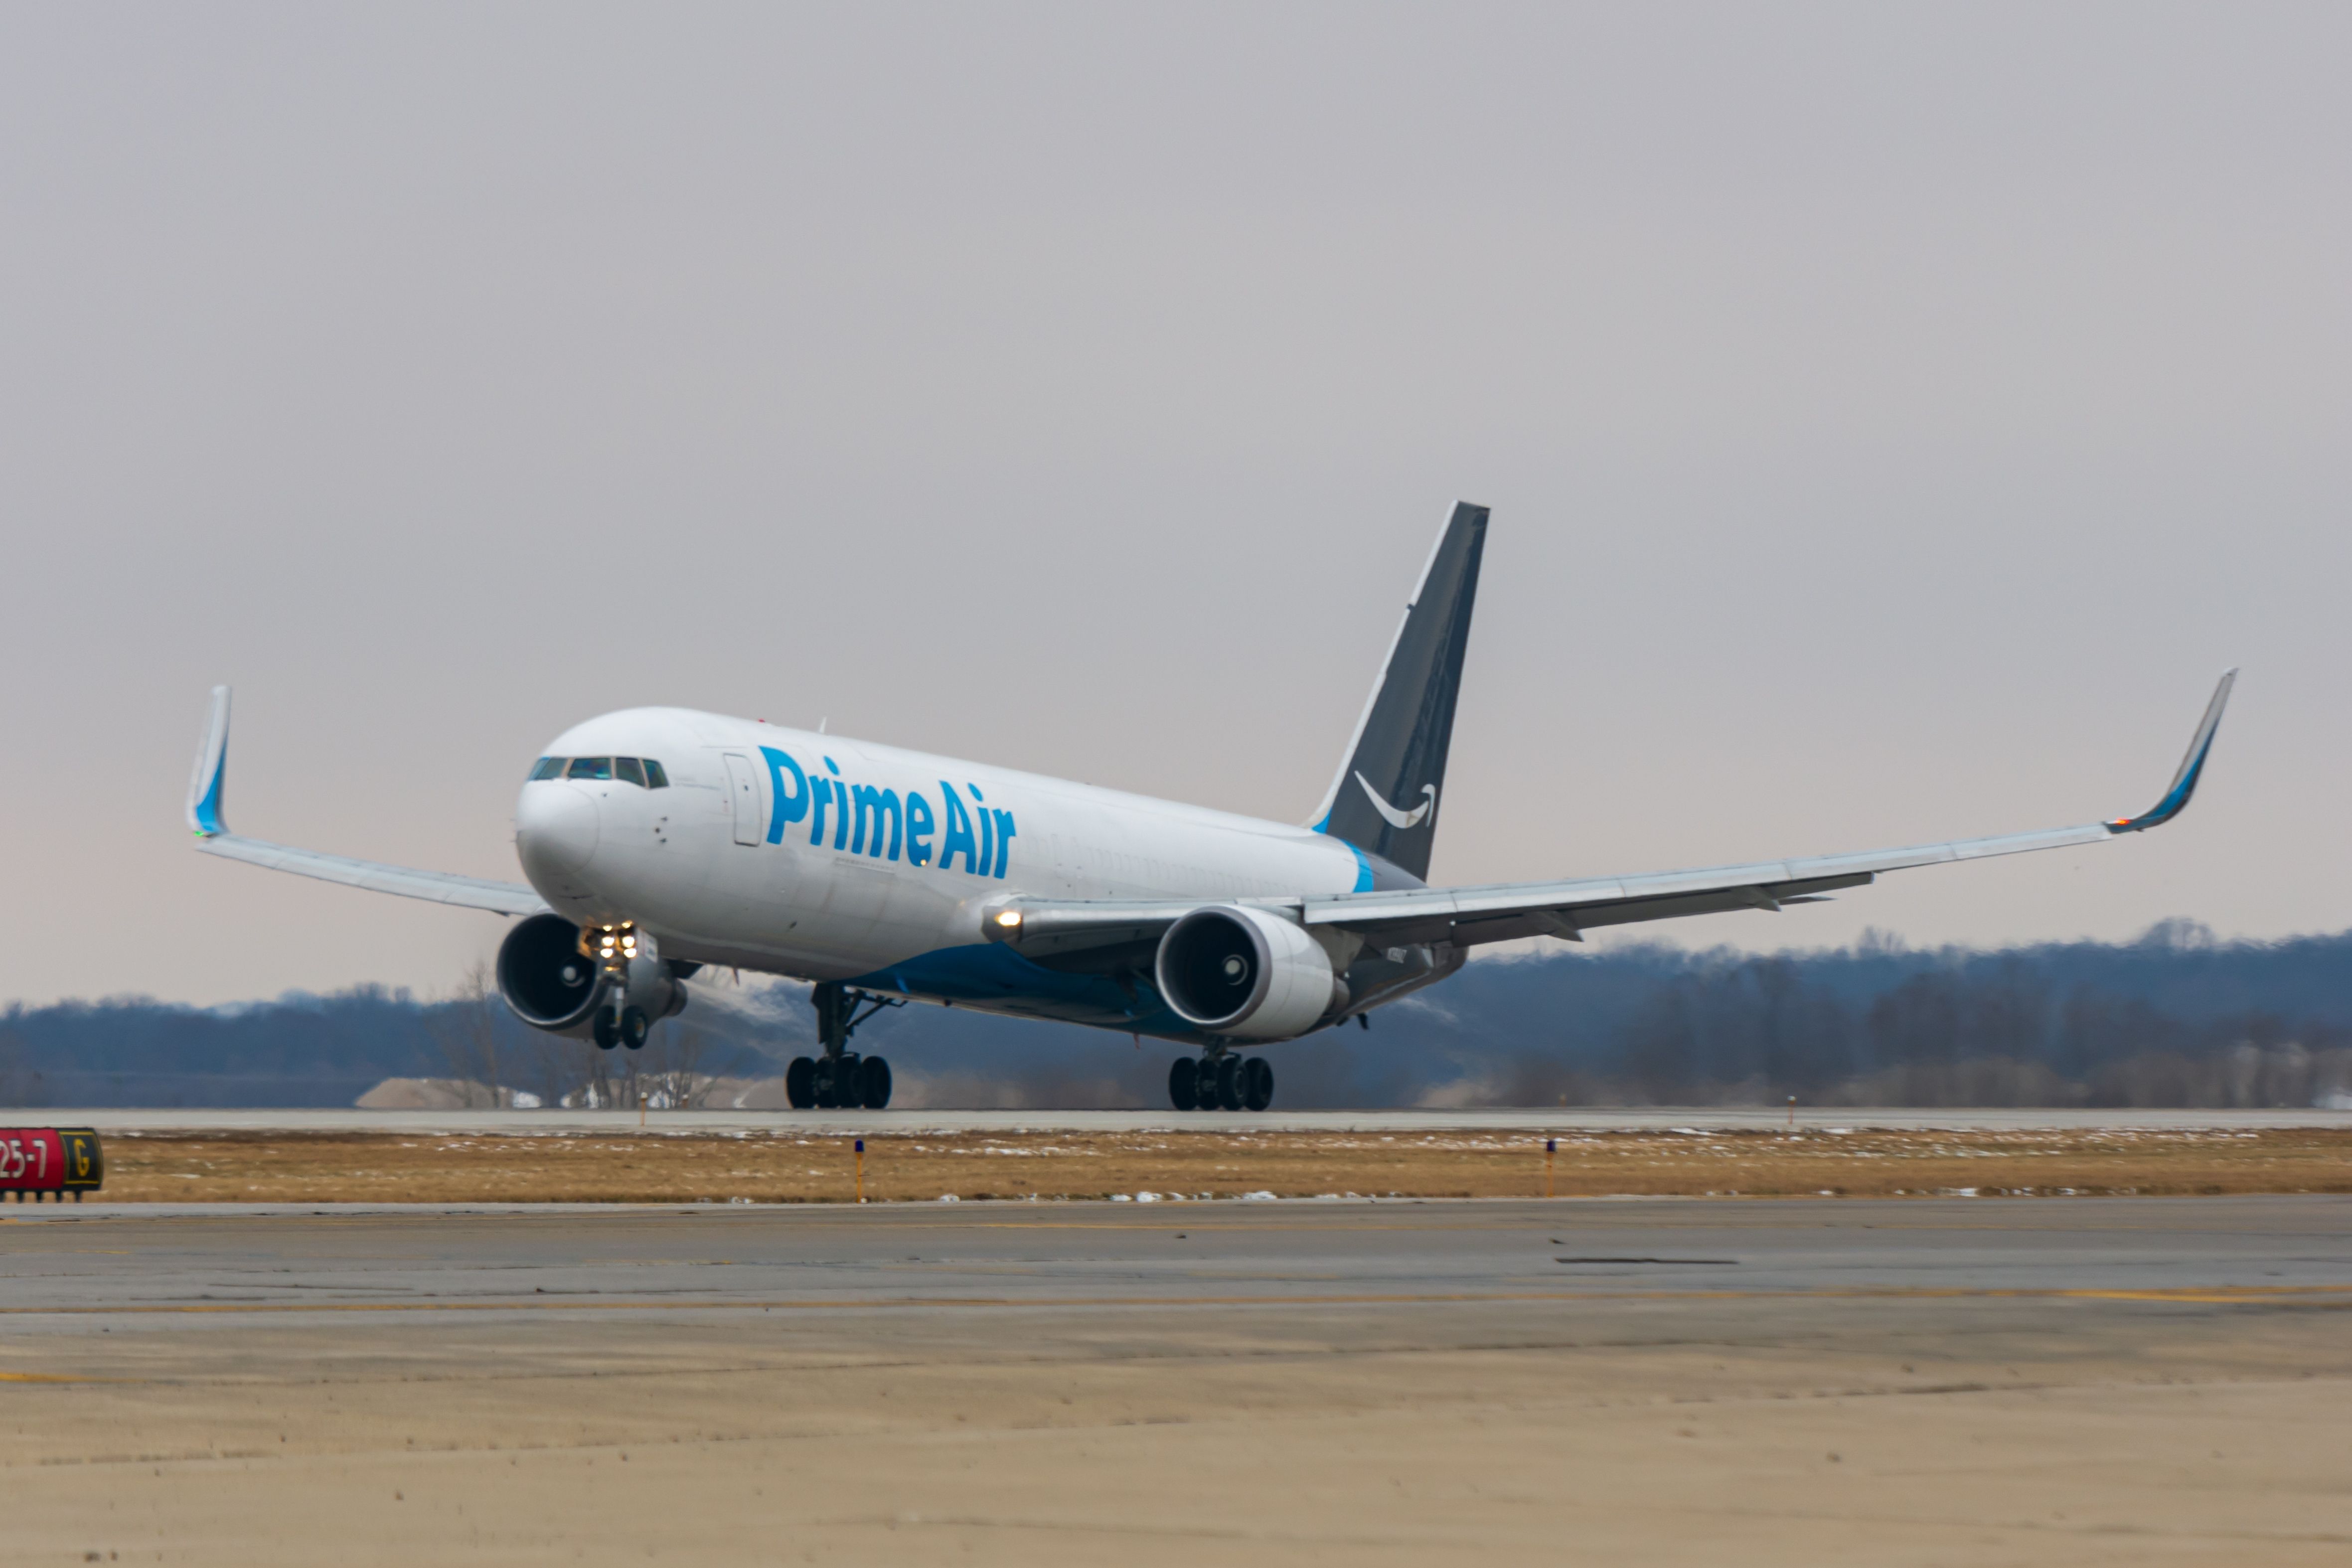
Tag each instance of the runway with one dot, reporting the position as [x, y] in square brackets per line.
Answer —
[1576, 1119]
[2119, 1381]
[660, 1259]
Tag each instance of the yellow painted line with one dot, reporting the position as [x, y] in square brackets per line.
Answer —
[2210, 1295]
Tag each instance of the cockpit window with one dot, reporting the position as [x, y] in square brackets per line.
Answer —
[591, 768]
[627, 768]
[655, 777]
[549, 768]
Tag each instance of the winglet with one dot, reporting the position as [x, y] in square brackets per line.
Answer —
[2184, 783]
[204, 819]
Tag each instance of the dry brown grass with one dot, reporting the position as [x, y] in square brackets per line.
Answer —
[788, 1166]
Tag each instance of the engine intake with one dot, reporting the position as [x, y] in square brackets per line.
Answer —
[1232, 969]
[550, 984]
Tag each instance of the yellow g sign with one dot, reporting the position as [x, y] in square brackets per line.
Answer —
[85, 1164]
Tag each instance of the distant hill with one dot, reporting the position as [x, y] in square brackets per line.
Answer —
[2174, 1018]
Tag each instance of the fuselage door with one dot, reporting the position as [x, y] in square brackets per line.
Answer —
[743, 793]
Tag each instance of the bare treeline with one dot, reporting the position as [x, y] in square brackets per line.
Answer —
[2174, 1019]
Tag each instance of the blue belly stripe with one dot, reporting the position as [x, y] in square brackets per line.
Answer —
[990, 974]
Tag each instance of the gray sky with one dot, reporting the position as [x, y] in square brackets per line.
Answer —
[1895, 418]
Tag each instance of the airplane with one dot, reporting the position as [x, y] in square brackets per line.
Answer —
[658, 841]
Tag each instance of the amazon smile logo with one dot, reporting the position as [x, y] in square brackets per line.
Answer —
[1391, 814]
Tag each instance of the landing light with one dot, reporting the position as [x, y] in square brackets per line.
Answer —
[1009, 919]
[609, 944]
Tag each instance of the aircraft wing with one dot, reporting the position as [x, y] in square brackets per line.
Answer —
[213, 837]
[1468, 916]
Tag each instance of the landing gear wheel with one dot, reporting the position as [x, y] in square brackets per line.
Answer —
[1229, 1084]
[1204, 1084]
[634, 1028]
[1257, 1083]
[1184, 1084]
[608, 1034]
[874, 1084]
[800, 1084]
[836, 1083]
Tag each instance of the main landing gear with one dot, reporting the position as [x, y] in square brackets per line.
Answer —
[1221, 1081]
[841, 1080]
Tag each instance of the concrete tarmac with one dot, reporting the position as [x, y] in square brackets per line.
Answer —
[1962, 1382]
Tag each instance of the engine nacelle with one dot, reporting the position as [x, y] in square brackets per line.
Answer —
[550, 984]
[1230, 969]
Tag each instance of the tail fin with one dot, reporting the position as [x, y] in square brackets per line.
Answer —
[1384, 800]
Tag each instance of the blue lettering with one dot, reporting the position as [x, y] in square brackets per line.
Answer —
[986, 863]
[958, 840]
[873, 804]
[840, 807]
[819, 792]
[781, 807]
[1004, 836]
[918, 829]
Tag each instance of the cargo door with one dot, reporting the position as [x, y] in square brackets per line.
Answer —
[743, 794]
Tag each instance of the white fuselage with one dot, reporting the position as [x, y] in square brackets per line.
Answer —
[828, 858]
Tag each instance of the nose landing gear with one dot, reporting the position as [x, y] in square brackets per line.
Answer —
[630, 1029]
[1221, 1081]
[841, 1080]
[611, 948]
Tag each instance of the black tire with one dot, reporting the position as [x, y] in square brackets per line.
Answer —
[874, 1084]
[1204, 1084]
[607, 1033]
[634, 1028]
[822, 1081]
[1229, 1084]
[1184, 1084]
[1257, 1083]
[839, 1087]
[800, 1084]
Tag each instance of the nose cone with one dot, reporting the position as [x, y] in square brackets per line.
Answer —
[555, 829]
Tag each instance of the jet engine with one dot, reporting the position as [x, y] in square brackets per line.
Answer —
[551, 985]
[1232, 970]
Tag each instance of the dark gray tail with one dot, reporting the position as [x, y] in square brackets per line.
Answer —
[1385, 800]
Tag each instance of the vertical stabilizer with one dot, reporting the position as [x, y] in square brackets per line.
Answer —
[1385, 798]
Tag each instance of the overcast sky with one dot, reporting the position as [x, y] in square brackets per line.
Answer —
[1895, 418]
